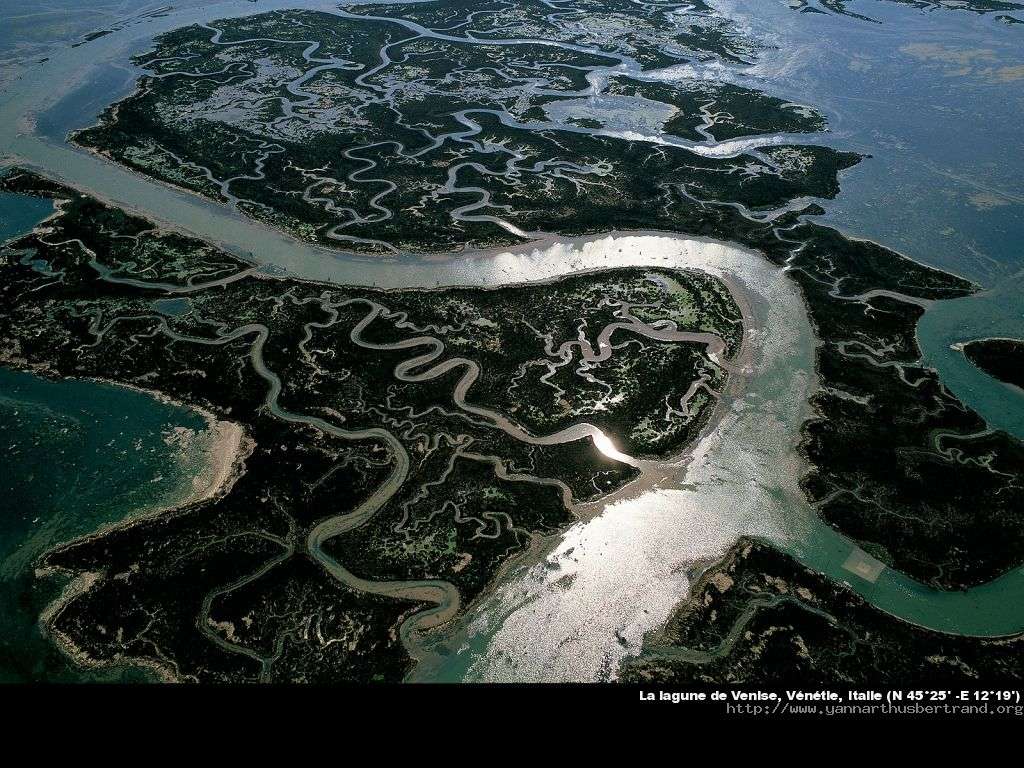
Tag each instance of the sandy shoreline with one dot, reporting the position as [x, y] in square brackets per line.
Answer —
[224, 446]
[227, 443]
[73, 590]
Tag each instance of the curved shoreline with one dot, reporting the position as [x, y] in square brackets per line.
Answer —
[354, 266]
[593, 253]
[227, 449]
[1017, 346]
[74, 589]
[546, 574]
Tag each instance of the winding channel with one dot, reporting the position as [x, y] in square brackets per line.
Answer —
[742, 478]
[419, 367]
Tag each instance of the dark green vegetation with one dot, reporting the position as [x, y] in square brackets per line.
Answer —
[376, 135]
[761, 617]
[446, 126]
[361, 131]
[227, 589]
[1002, 359]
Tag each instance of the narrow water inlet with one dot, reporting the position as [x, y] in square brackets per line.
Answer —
[580, 602]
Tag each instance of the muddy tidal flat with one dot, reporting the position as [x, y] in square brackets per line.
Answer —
[507, 341]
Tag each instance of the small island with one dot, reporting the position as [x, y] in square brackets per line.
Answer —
[1001, 359]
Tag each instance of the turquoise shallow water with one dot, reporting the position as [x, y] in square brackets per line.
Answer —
[934, 98]
[78, 455]
[18, 214]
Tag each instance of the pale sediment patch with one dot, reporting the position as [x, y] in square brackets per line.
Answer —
[219, 453]
[226, 443]
[579, 602]
[215, 458]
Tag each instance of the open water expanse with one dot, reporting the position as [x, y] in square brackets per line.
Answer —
[934, 97]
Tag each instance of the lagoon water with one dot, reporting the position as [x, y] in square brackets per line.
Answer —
[18, 214]
[935, 98]
[77, 456]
